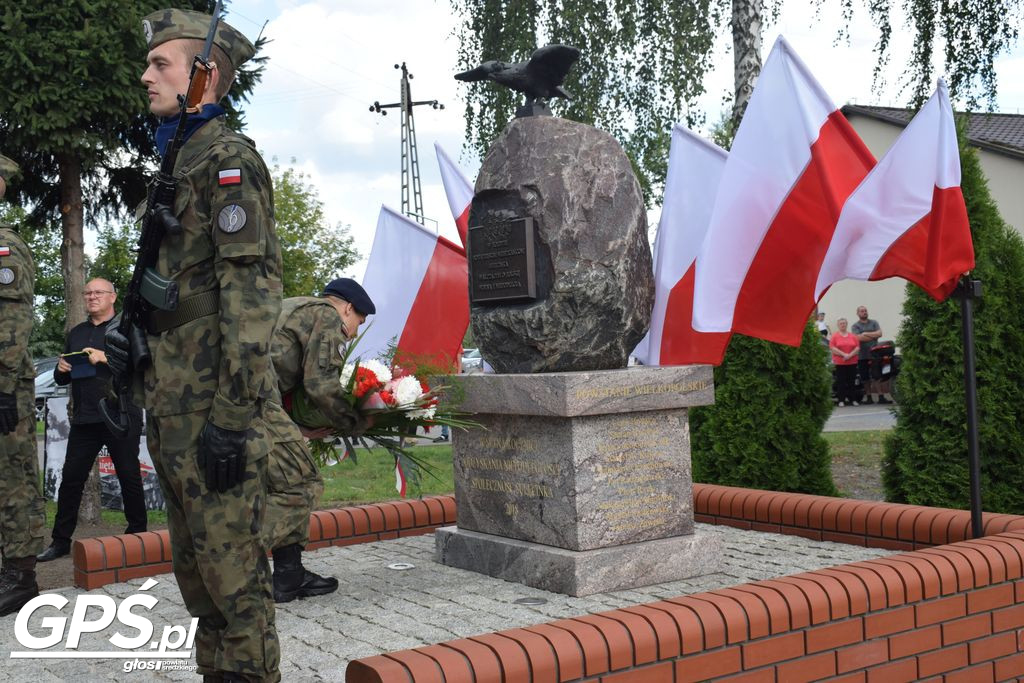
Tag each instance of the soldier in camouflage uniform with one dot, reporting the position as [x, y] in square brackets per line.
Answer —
[211, 372]
[308, 347]
[22, 516]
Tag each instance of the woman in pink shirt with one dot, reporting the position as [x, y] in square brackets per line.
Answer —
[845, 348]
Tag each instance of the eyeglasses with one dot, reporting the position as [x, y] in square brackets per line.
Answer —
[98, 292]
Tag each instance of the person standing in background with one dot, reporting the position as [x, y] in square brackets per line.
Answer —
[85, 346]
[845, 348]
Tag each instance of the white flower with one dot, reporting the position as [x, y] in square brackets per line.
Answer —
[407, 391]
[425, 413]
[376, 367]
[346, 374]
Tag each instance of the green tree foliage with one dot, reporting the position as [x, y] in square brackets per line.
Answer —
[972, 33]
[926, 454]
[314, 252]
[764, 431]
[115, 255]
[642, 67]
[75, 116]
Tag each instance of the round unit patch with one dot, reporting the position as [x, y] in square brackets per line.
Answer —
[231, 218]
[6, 276]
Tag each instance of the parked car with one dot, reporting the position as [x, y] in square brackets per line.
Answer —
[472, 361]
[46, 386]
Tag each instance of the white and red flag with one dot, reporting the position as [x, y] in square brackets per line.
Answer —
[793, 163]
[694, 170]
[419, 285]
[458, 189]
[908, 217]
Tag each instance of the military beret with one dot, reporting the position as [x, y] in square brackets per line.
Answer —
[352, 292]
[8, 169]
[170, 24]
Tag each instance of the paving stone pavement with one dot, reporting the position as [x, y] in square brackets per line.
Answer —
[378, 610]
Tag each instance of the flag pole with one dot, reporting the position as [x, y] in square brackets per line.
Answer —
[967, 290]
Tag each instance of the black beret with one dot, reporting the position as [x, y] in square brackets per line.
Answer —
[352, 292]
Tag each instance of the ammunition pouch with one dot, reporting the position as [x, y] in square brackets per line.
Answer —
[194, 307]
[158, 291]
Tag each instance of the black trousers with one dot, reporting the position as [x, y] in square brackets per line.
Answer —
[84, 444]
[845, 376]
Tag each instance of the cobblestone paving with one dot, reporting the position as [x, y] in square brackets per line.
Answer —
[377, 609]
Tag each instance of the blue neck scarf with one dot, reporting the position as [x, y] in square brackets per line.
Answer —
[165, 131]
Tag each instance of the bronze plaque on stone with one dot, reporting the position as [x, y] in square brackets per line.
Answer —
[502, 267]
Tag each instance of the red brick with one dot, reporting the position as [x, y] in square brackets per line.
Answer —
[817, 599]
[1010, 550]
[380, 517]
[816, 513]
[968, 628]
[766, 527]
[838, 595]
[566, 648]
[848, 539]
[862, 656]
[778, 610]
[736, 618]
[974, 674]
[873, 586]
[994, 561]
[808, 668]
[665, 632]
[87, 555]
[424, 531]
[712, 506]
[712, 625]
[796, 601]
[420, 514]
[961, 567]
[813, 534]
[855, 677]
[452, 664]
[988, 599]
[620, 644]
[1009, 667]
[448, 503]
[775, 505]
[991, 648]
[435, 510]
[894, 590]
[906, 527]
[421, 668]
[113, 551]
[832, 636]
[979, 564]
[1018, 588]
[708, 665]
[315, 529]
[764, 504]
[376, 668]
[659, 673]
[734, 523]
[919, 640]
[890, 621]
[700, 496]
[592, 643]
[133, 550]
[889, 544]
[387, 535]
[1005, 619]
[894, 672]
[760, 676]
[943, 609]
[511, 654]
[360, 519]
[355, 540]
[645, 641]
[141, 571]
[946, 659]
[482, 659]
[830, 515]
[771, 650]
[939, 532]
[90, 580]
[543, 664]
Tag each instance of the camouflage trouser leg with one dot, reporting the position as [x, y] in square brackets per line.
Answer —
[294, 486]
[22, 513]
[219, 562]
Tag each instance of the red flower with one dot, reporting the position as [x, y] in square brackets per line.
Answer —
[387, 396]
[366, 381]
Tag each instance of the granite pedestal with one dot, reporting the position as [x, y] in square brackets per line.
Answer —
[580, 482]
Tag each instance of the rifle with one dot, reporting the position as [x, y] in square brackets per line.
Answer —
[148, 290]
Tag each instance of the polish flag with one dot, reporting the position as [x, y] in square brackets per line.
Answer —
[793, 163]
[419, 285]
[458, 189]
[908, 217]
[694, 170]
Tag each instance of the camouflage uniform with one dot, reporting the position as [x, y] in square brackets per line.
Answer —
[307, 351]
[216, 368]
[22, 517]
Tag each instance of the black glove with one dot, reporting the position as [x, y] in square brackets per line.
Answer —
[118, 350]
[8, 413]
[221, 457]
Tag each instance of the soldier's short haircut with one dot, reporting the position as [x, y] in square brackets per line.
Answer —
[194, 46]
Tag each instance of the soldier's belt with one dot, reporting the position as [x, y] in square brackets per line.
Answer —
[192, 308]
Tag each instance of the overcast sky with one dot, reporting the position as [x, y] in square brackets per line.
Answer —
[330, 59]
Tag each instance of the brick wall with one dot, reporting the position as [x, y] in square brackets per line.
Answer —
[109, 559]
[949, 610]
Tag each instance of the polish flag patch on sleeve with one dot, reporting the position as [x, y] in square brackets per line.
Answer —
[5, 251]
[230, 176]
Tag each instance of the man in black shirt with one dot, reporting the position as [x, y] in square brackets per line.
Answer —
[84, 365]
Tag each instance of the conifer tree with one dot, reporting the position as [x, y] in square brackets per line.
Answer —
[926, 454]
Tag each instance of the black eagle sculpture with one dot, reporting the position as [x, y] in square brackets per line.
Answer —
[540, 78]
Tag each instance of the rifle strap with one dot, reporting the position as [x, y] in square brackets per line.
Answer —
[194, 307]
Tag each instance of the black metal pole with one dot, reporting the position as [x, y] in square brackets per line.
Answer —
[967, 291]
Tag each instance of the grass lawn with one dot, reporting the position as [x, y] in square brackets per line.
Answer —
[864, 448]
[857, 463]
[372, 478]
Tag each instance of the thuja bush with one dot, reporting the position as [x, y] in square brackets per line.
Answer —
[764, 431]
[925, 459]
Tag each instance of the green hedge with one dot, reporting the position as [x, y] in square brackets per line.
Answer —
[764, 431]
[926, 454]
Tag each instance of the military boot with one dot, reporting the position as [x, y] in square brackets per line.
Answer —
[17, 584]
[289, 574]
[314, 584]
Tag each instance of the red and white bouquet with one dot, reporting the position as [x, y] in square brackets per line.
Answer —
[395, 401]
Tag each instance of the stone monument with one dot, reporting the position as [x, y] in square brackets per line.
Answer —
[580, 481]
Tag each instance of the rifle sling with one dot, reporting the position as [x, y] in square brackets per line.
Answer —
[194, 307]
